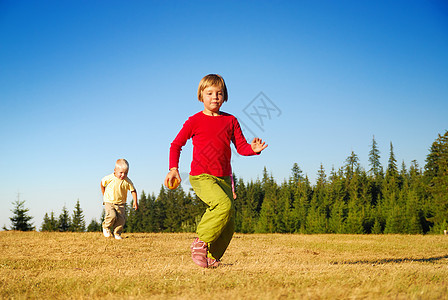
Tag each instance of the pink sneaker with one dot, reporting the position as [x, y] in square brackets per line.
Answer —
[199, 253]
[213, 263]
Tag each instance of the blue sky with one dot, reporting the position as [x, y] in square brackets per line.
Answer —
[83, 83]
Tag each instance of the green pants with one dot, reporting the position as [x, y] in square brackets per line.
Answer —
[217, 225]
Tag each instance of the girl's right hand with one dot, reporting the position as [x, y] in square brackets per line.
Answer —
[174, 173]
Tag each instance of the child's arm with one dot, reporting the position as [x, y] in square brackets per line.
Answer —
[134, 195]
[240, 142]
[102, 190]
[176, 146]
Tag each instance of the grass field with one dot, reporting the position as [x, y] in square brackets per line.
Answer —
[258, 266]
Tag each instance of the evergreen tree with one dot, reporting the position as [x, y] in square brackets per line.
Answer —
[419, 200]
[285, 219]
[374, 160]
[50, 223]
[175, 210]
[432, 159]
[193, 213]
[160, 211]
[20, 219]
[351, 165]
[436, 177]
[137, 220]
[338, 197]
[318, 213]
[266, 222]
[354, 221]
[150, 214]
[64, 221]
[269, 217]
[391, 192]
[357, 203]
[403, 176]
[296, 173]
[302, 193]
[241, 195]
[94, 226]
[250, 197]
[316, 221]
[377, 225]
[392, 169]
[394, 220]
[321, 177]
[78, 223]
[413, 214]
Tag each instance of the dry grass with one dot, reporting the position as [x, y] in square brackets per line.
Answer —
[155, 266]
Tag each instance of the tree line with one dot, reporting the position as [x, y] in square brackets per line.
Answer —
[74, 222]
[351, 199]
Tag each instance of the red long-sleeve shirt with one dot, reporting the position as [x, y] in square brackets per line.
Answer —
[211, 137]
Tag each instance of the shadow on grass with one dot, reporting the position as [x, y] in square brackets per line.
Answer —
[390, 260]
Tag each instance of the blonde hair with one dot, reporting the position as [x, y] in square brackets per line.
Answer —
[122, 163]
[212, 80]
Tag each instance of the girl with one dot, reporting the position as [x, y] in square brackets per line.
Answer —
[211, 131]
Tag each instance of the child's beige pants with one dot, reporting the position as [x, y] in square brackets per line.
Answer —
[115, 217]
[217, 225]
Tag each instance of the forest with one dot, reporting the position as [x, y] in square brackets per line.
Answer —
[353, 200]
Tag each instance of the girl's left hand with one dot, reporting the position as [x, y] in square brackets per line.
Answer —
[258, 145]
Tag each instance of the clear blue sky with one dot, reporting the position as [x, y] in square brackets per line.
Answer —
[83, 83]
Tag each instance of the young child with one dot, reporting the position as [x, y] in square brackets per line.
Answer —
[115, 188]
[212, 131]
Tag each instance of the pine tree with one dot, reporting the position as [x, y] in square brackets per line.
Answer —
[21, 220]
[150, 213]
[420, 194]
[391, 193]
[94, 226]
[413, 213]
[354, 221]
[351, 165]
[64, 221]
[357, 203]
[377, 229]
[436, 177]
[160, 211]
[78, 223]
[302, 194]
[176, 212]
[374, 160]
[318, 213]
[392, 169]
[50, 223]
[338, 195]
[251, 197]
[285, 216]
[403, 176]
[296, 173]
[432, 159]
[269, 217]
[394, 220]
[266, 222]
[136, 221]
[316, 221]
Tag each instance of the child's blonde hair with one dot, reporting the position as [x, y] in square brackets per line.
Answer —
[122, 163]
[212, 80]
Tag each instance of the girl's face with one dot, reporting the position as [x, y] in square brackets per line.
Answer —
[213, 98]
